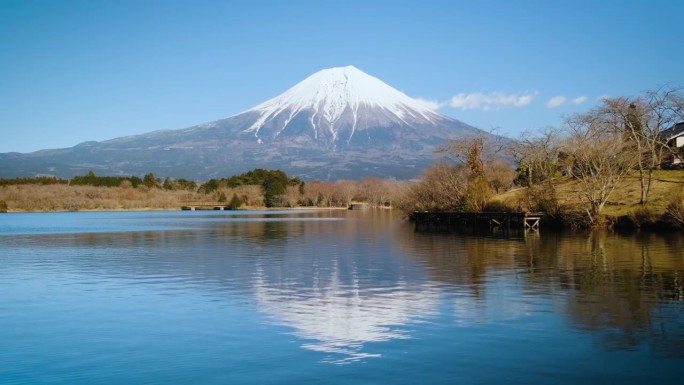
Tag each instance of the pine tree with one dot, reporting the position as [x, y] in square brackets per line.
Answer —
[168, 185]
[149, 180]
[478, 192]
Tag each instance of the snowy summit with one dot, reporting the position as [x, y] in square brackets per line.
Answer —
[338, 123]
[341, 99]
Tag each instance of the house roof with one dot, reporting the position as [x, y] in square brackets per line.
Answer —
[674, 131]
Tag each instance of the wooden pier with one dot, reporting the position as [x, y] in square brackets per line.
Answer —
[445, 221]
[205, 206]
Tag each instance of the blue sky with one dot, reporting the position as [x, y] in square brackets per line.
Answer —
[73, 71]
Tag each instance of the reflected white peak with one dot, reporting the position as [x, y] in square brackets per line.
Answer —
[338, 319]
[330, 93]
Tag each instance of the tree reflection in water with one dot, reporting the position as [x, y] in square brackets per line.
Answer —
[627, 290]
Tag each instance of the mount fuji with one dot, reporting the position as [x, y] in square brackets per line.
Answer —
[335, 105]
[337, 123]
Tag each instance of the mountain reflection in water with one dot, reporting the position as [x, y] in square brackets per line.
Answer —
[341, 287]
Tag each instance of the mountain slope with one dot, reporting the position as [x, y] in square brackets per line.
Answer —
[337, 123]
[337, 103]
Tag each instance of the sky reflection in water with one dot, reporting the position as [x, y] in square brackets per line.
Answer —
[256, 297]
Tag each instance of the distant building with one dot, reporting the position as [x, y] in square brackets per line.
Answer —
[674, 137]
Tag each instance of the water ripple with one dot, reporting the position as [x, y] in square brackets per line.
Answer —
[329, 297]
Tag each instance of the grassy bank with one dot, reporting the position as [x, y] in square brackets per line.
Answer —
[623, 206]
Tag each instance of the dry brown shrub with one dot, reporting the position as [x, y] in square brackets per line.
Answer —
[292, 196]
[675, 207]
[251, 196]
[500, 175]
[441, 188]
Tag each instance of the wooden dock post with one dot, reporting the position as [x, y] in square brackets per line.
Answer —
[196, 206]
[532, 223]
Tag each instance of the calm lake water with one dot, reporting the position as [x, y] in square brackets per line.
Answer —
[330, 297]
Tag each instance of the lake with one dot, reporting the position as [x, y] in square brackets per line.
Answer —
[330, 297]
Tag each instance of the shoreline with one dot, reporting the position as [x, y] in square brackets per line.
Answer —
[152, 209]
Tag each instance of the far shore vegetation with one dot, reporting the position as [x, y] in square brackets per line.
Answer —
[617, 165]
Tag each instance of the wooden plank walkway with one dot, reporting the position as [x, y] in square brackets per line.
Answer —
[205, 206]
[447, 220]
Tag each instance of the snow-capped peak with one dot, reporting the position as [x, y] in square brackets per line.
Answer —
[329, 93]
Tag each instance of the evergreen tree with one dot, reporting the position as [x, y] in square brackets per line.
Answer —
[149, 180]
[168, 185]
[274, 187]
[235, 203]
[210, 186]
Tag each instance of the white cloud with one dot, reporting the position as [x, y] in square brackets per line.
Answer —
[555, 101]
[491, 101]
[579, 100]
[433, 104]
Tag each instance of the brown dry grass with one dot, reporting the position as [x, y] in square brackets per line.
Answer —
[89, 198]
[623, 201]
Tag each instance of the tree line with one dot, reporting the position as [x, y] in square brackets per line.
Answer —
[273, 188]
[256, 188]
[39, 180]
[148, 180]
[273, 182]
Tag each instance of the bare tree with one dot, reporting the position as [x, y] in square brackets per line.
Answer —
[601, 159]
[292, 196]
[643, 122]
[345, 191]
[319, 193]
[376, 190]
[537, 155]
[491, 146]
[539, 160]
